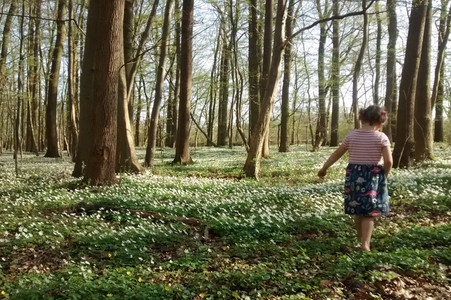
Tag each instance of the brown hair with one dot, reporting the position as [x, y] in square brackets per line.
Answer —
[373, 115]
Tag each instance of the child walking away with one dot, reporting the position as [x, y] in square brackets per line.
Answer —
[365, 191]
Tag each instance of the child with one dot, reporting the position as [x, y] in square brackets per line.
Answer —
[366, 194]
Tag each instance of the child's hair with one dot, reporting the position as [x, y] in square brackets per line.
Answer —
[373, 115]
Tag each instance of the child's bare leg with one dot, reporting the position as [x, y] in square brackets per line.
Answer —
[367, 226]
[358, 227]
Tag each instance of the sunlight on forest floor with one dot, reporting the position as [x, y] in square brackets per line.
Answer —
[200, 232]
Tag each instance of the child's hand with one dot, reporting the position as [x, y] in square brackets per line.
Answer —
[322, 173]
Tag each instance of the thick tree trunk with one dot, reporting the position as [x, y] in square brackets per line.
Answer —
[159, 86]
[403, 152]
[335, 77]
[182, 151]
[253, 162]
[391, 88]
[71, 86]
[423, 114]
[51, 127]
[108, 51]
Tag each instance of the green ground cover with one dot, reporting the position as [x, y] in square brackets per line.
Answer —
[201, 232]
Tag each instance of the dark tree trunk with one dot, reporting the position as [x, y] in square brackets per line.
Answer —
[182, 151]
[335, 77]
[403, 153]
[391, 89]
[108, 51]
[254, 70]
[51, 127]
[223, 92]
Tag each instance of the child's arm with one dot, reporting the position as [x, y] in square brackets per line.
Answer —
[332, 159]
[388, 159]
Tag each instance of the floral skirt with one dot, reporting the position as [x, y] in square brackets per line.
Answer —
[366, 191]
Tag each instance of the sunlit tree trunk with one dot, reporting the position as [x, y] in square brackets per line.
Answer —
[71, 110]
[108, 50]
[51, 130]
[254, 70]
[182, 151]
[252, 166]
[438, 87]
[403, 152]
[285, 108]
[159, 86]
[423, 114]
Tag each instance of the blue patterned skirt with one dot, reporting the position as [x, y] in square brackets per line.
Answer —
[366, 191]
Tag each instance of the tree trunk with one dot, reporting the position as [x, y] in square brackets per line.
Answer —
[254, 70]
[252, 167]
[223, 92]
[182, 152]
[391, 89]
[404, 144]
[285, 109]
[423, 114]
[108, 51]
[51, 127]
[321, 126]
[377, 77]
[266, 64]
[335, 77]
[159, 86]
[31, 144]
[358, 66]
[213, 90]
[438, 87]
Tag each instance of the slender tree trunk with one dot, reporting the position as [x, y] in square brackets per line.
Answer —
[5, 41]
[108, 51]
[358, 67]
[423, 114]
[159, 86]
[223, 92]
[266, 64]
[438, 87]
[213, 90]
[20, 75]
[252, 166]
[335, 77]
[321, 126]
[71, 118]
[51, 127]
[391, 88]
[182, 152]
[404, 144]
[378, 55]
[285, 109]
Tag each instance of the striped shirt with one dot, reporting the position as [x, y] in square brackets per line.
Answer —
[365, 146]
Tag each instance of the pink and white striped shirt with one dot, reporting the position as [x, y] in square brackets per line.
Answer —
[365, 146]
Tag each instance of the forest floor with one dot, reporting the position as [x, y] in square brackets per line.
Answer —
[201, 232]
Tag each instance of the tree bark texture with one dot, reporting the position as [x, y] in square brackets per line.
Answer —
[108, 51]
[391, 87]
[254, 62]
[335, 77]
[252, 166]
[182, 151]
[423, 113]
[403, 152]
[51, 127]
